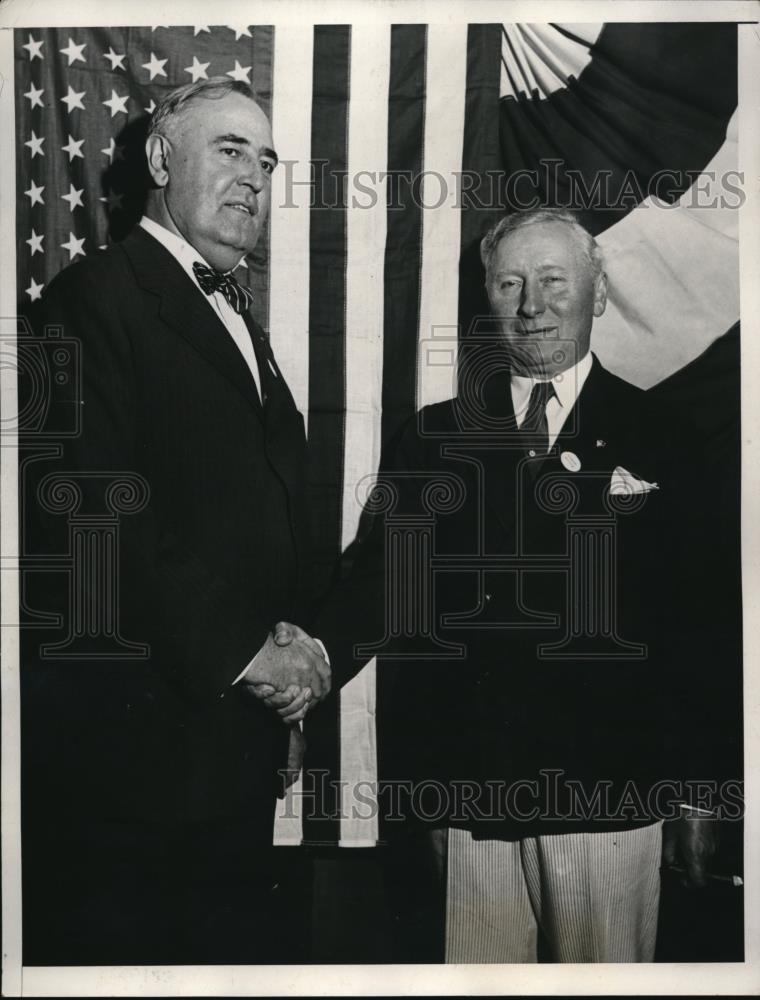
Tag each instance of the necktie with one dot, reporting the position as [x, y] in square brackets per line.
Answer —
[535, 426]
[214, 281]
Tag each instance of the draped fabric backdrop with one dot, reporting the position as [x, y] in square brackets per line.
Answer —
[396, 145]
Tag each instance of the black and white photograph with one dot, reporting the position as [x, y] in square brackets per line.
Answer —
[379, 557]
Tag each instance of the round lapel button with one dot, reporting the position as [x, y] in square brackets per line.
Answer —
[570, 461]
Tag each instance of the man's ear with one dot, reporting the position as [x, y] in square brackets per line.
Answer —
[157, 151]
[600, 294]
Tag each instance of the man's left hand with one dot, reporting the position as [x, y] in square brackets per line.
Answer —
[690, 842]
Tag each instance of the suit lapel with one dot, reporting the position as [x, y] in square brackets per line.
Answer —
[589, 430]
[283, 425]
[187, 311]
[587, 433]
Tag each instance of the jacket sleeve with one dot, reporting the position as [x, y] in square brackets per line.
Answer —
[200, 633]
[354, 612]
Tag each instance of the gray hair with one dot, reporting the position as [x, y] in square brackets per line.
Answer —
[177, 100]
[518, 220]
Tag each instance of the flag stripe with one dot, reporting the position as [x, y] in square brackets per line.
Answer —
[327, 362]
[406, 121]
[289, 293]
[260, 57]
[366, 244]
[446, 74]
[480, 154]
[289, 298]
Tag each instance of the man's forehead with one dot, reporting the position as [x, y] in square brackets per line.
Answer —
[233, 113]
[541, 239]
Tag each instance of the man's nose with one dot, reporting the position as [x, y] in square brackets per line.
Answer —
[532, 300]
[253, 177]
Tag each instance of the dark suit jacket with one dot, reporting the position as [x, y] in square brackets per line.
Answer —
[611, 713]
[215, 557]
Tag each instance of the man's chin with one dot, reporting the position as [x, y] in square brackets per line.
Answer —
[228, 256]
[533, 358]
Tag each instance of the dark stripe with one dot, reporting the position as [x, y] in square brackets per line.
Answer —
[261, 60]
[327, 366]
[480, 154]
[406, 125]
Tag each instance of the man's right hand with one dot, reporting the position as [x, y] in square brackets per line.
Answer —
[289, 677]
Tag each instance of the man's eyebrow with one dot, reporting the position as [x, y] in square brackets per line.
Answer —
[541, 267]
[240, 140]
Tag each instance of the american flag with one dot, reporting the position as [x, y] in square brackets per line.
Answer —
[368, 275]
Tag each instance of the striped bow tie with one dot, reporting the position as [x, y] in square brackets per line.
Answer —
[213, 281]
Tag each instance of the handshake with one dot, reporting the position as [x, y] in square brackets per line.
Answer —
[290, 673]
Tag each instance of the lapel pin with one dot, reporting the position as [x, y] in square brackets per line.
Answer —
[600, 443]
[570, 461]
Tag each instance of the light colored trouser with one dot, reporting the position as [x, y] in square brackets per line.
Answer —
[594, 895]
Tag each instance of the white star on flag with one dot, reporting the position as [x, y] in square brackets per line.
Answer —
[117, 103]
[151, 107]
[196, 30]
[74, 52]
[113, 152]
[35, 193]
[36, 243]
[74, 148]
[35, 145]
[240, 73]
[74, 197]
[34, 291]
[35, 48]
[74, 246]
[114, 59]
[73, 100]
[114, 200]
[156, 66]
[35, 96]
[198, 70]
[239, 29]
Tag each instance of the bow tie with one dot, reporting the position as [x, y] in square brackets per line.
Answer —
[213, 281]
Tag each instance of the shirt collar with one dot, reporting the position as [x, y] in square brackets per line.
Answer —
[567, 384]
[179, 248]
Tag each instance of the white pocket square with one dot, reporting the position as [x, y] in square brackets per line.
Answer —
[624, 482]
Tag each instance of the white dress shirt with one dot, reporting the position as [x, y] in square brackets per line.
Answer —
[567, 388]
[186, 256]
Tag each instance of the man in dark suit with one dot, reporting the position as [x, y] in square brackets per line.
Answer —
[541, 705]
[151, 759]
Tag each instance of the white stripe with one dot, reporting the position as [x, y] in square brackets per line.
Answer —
[365, 236]
[9, 600]
[446, 84]
[289, 265]
[673, 276]
[289, 225]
